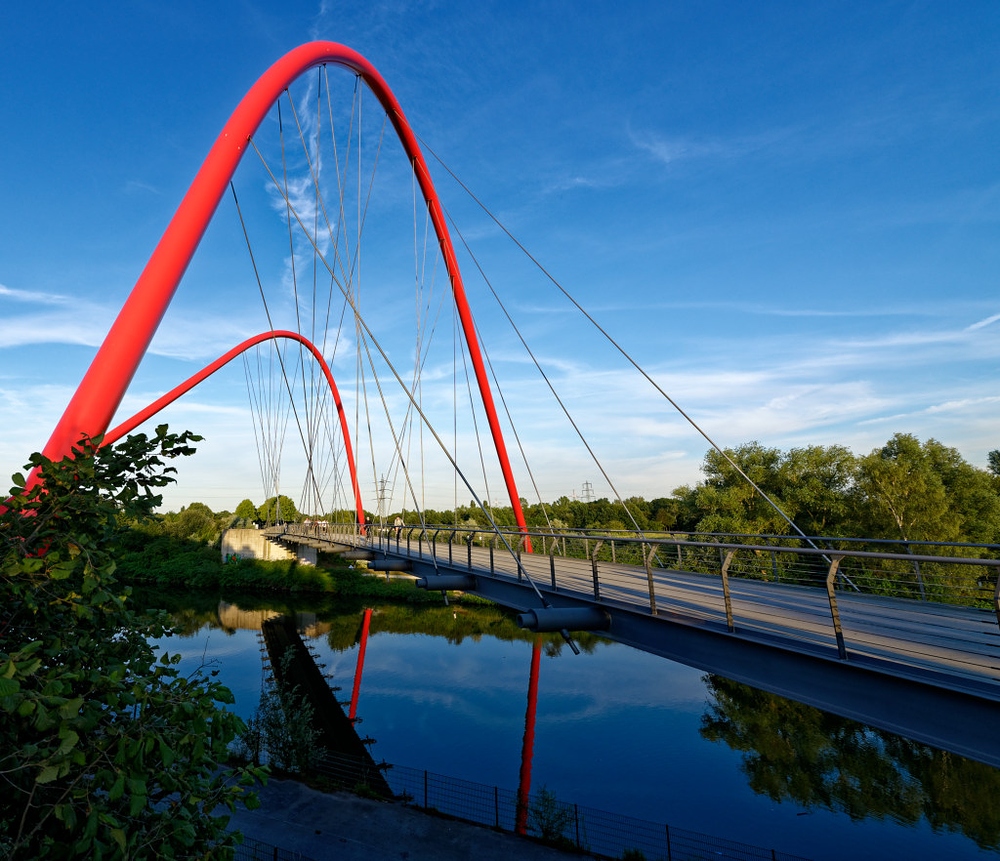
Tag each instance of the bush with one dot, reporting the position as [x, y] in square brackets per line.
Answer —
[105, 750]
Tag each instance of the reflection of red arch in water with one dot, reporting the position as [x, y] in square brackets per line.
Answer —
[103, 386]
[132, 423]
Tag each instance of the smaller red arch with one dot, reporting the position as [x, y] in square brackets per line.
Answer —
[130, 424]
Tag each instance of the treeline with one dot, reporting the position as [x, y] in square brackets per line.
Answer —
[904, 490]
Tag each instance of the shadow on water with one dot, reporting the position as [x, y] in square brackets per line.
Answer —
[295, 670]
[794, 752]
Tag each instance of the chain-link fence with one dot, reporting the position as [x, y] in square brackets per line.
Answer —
[543, 817]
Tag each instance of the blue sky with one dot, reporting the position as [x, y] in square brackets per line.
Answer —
[786, 212]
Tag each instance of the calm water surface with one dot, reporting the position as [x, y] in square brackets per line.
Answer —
[624, 731]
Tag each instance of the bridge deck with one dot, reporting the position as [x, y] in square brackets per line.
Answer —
[960, 642]
[926, 670]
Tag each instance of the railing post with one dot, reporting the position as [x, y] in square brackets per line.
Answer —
[593, 565]
[492, 572]
[468, 543]
[920, 577]
[834, 612]
[996, 597]
[520, 547]
[725, 591]
[496, 807]
[434, 545]
[648, 559]
[554, 546]
[669, 855]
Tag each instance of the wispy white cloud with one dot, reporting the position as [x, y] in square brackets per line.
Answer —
[982, 324]
[35, 297]
[136, 186]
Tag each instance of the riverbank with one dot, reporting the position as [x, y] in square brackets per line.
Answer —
[342, 826]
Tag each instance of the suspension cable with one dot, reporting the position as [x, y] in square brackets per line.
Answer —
[548, 382]
[620, 349]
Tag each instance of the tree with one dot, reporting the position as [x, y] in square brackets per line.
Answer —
[279, 509]
[993, 460]
[815, 487]
[726, 502]
[246, 510]
[900, 491]
[105, 750]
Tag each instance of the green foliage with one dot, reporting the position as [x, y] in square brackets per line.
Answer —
[246, 510]
[455, 623]
[905, 490]
[993, 462]
[550, 818]
[147, 555]
[809, 485]
[925, 492]
[105, 750]
[279, 509]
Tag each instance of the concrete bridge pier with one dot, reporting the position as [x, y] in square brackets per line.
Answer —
[254, 544]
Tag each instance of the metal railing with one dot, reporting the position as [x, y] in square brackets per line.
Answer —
[950, 573]
[597, 833]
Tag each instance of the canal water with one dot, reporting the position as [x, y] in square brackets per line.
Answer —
[446, 689]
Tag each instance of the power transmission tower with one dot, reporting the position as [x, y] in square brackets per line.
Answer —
[588, 492]
[380, 497]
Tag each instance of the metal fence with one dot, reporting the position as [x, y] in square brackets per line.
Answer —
[543, 817]
[258, 850]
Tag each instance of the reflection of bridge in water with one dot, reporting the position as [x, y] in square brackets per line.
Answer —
[926, 670]
[294, 670]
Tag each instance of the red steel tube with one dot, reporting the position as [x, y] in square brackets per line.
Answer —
[360, 666]
[132, 423]
[528, 742]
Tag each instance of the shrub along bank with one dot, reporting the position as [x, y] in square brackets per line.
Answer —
[170, 562]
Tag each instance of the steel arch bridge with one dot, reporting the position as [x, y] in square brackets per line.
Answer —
[776, 645]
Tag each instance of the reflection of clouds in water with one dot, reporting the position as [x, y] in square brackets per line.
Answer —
[486, 681]
[418, 672]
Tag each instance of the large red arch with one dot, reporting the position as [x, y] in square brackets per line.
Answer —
[130, 424]
[100, 392]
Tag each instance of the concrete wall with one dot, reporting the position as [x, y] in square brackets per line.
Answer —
[251, 544]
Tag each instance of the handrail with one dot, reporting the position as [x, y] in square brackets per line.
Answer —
[630, 537]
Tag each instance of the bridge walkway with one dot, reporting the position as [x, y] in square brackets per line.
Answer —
[958, 643]
[926, 670]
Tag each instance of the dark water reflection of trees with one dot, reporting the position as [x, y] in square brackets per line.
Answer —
[793, 752]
